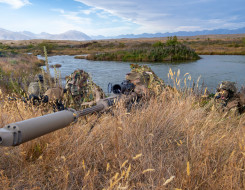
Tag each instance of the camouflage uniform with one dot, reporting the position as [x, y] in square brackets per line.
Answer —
[36, 88]
[146, 82]
[228, 99]
[81, 89]
[38, 93]
[54, 97]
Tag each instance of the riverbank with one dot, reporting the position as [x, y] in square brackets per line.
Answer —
[233, 44]
[210, 69]
[17, 69]
[206, 45]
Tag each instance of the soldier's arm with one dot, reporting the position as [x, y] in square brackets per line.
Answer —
[242, 98]
[232, 104]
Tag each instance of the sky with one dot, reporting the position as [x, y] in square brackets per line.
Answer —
[117, 17]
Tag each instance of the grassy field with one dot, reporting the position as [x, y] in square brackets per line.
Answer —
[17, 69]
[170, 142]
[233, 44]
[173, 141]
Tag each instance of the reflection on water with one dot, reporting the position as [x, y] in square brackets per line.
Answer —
[212, 68]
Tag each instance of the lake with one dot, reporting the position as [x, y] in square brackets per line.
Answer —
[211, 68]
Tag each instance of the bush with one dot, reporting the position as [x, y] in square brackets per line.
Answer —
[158, 44]
[243, 40]
[172, 50]
[172, 41]
[49, 46]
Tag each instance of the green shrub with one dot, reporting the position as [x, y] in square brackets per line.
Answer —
[49, 46]
[121, 45]
[158, 44]
[172, 40]
[243, 40]
[156, 53]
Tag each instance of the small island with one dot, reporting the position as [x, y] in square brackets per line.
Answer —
[172, 51]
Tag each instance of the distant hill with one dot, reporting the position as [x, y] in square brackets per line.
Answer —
[9, 35]
[180, 33]
[26, 35]
[80, 36]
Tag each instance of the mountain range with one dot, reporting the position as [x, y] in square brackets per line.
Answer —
[80, 36]
[26, 35]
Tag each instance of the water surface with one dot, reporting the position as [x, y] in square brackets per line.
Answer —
[211, 68]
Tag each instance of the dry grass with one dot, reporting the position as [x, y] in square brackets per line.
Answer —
[203, 44]
[16, 71]
[19, 64]
[169, 142]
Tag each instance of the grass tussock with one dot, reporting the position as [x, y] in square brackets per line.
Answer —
[170, 142]
[19, 64]
[16, 70]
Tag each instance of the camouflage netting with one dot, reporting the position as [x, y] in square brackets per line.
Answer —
[145, 80]
[227, 85]
[81, 89]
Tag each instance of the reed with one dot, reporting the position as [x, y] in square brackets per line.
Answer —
[169, 142]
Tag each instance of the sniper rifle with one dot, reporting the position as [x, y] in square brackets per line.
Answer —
[19, 132]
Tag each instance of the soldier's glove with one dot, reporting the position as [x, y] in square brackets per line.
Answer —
[45, 99]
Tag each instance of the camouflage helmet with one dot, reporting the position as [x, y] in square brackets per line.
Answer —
[145, 79]
[227, 85]
[133, 76]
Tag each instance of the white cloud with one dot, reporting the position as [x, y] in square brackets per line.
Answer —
[171, 16]
[89, 11]
[57, 10]
[110, 17]
[75, 18]
[16, 4]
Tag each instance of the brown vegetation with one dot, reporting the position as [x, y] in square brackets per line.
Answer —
[233, 44]
[174, 141]
[19, 64]
[16, 69]
[169, 142]
[56, 66]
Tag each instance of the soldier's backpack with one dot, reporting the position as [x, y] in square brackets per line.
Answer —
[34, 89]
[76, 83]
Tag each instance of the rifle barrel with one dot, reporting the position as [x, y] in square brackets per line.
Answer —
[17, 133]
[99, 107]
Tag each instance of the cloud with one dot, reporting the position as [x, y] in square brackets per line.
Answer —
[170, 16]
[110, 17]
[75, 18]
[89, 11]
[16, 4]
[57, 10]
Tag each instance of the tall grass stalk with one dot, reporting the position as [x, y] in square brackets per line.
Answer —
[47, 66]
[169, 142]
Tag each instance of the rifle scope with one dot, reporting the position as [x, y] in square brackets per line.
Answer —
[124, 88]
